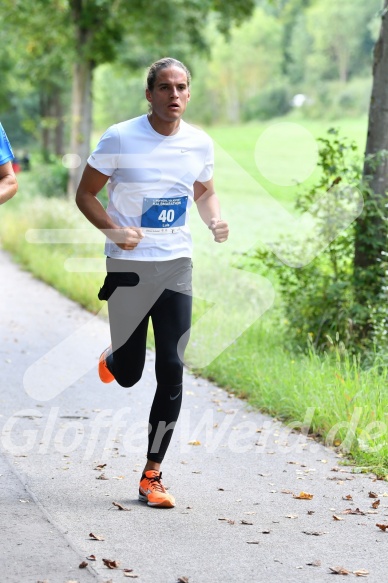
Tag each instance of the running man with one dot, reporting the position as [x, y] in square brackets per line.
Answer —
[8, 182]
[156, 166]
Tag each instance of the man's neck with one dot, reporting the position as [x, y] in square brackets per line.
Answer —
[165, 128]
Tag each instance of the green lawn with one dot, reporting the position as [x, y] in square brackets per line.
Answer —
[240, 141]
[238, 319]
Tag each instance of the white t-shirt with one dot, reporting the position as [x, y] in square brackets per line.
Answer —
[151, 184]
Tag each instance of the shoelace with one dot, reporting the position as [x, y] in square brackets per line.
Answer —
[156, 482]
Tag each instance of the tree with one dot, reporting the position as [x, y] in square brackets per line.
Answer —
[340, 50]
[240, 67]
[39, 36]
[99, 27]
[371, 227]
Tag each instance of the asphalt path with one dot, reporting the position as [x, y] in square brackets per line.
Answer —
[71, 447]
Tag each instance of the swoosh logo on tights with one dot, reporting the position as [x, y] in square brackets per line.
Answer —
[176, 396]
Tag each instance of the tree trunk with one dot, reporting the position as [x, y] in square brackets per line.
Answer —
[81, 103]
[60, 126]
[371, 229]
[44, 107]
[81, 121]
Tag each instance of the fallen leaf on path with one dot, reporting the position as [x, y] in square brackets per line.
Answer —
[120, 506]
[183, 580]
[194, 442]
[314, 532]
[111, 564]
[100, 467]
[266, 531]
[375, 504]
[316, 563]
[361, 573]
[339, 480]
[286, 491]
[382, 526]
[91, 558]
[102, 477]
[351, 511]
[339, 571]
[246, 522]
[347, 497]
[337, 517]
[310, 512]
[95, 536]
[221, 489]
[304, 496]
[373, 495]
[253, 542]
[83, 565]
[132, 575]
[291, 516]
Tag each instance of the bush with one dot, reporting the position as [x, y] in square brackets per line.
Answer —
[272, 102]
[334, 100]
[319, 299]
[50, 179]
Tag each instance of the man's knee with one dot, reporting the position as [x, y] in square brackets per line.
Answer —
[127, 380]
[169, 372]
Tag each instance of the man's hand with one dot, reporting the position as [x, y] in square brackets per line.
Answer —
[126, 238]
[219, 229]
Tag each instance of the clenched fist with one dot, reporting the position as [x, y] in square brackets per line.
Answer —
[219, 229]
[126, 238]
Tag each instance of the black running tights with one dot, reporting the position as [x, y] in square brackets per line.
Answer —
[170, 314]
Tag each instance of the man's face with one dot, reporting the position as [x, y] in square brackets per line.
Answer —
[170, 94]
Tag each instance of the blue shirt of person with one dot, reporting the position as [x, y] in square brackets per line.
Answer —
[6, 154]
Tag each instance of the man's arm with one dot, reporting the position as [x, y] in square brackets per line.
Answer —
[209, 209]
[92, 182]
[8, 182]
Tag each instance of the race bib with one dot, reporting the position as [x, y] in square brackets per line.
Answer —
[164, 215]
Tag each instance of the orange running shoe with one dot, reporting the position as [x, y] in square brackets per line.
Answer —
[103, 370]
[152, 491]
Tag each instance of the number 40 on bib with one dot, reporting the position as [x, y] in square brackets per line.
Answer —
[164, 213]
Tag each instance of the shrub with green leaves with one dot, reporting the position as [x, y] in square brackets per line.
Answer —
[51, 179]
[318, 299]
[271, 102]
